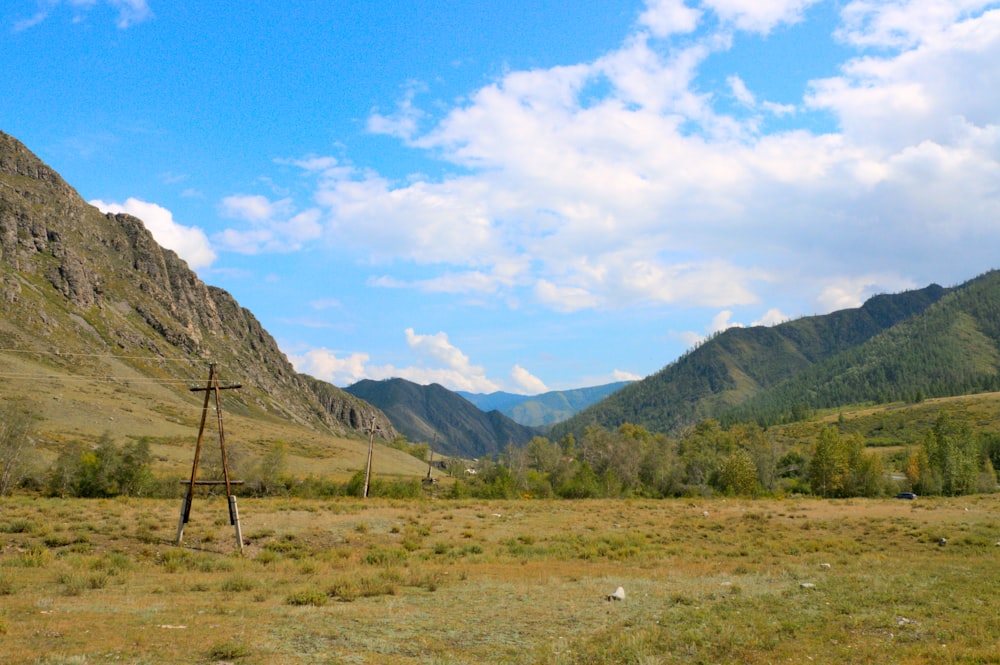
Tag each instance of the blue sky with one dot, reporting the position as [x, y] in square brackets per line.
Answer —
[525, 196]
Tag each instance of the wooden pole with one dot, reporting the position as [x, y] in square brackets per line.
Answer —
[430, 459]
[189, 497]
[371, 445]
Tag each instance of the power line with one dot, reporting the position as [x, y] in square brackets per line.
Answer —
[109, 379]
[103, 378]
[62, 354]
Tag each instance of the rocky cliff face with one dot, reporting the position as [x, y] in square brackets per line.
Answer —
[65, 266]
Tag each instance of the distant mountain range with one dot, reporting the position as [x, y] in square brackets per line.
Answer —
[931, 342]
[436, 415]
[544, 409]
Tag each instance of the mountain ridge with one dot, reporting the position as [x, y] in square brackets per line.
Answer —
[545, 408]
[94, 295]
[440, 416]
[737, 365]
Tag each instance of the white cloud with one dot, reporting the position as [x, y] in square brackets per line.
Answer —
[850, 292]
[622, 375]
[668, 17]
[130, 12]
[469, 282]
[275, 226]
[759, 15]
[403, 122]
[941, 85]
[744, 96]
[326, 303]
[254, 208]
[771, 317]
[721, 322]
[438, 362]
[189, 242]
[904, 23]
[325, 365]
[438, 349]
[526, 381]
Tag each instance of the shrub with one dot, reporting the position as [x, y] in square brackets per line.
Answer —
[313, 597]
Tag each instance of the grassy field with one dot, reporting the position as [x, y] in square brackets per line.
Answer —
[435, 581]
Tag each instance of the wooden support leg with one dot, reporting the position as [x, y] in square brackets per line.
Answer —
[234, 518]
[180, 522]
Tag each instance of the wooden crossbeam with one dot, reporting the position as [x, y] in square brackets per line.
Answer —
[211, 482]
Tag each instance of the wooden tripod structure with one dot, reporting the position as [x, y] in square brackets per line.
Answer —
[212, 388]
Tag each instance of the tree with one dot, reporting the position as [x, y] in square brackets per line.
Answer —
[762, 449]
[954, 456]
[702, 450]
[15, 444]
[829, 467]
[272, 467]
[738, 474]
[865, 476]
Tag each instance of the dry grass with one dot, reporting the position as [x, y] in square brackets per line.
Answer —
[501, 582]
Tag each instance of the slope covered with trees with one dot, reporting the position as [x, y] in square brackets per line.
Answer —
[951, 348]
[741, 364]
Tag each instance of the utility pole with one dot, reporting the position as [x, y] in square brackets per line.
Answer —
[430, 461]
[211, 388]
[371, 445]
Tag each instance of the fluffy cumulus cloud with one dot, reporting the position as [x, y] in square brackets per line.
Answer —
[190, 242]
[526, 381]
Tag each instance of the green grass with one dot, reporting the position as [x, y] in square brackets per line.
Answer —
[707, 581]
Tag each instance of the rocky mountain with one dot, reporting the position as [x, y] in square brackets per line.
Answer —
[89, 297]
[928, 342]
[434, 414]
[544, 409]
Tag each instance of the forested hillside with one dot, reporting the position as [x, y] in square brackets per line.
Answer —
[952, 348]
[743, 363]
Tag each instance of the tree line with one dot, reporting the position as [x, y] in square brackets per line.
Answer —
[742, 459]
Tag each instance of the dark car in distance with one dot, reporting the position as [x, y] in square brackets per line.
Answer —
[906, 495]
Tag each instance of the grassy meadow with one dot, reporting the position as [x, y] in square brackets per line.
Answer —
[437, 581]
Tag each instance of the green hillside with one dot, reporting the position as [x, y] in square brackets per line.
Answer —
[743, 366]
